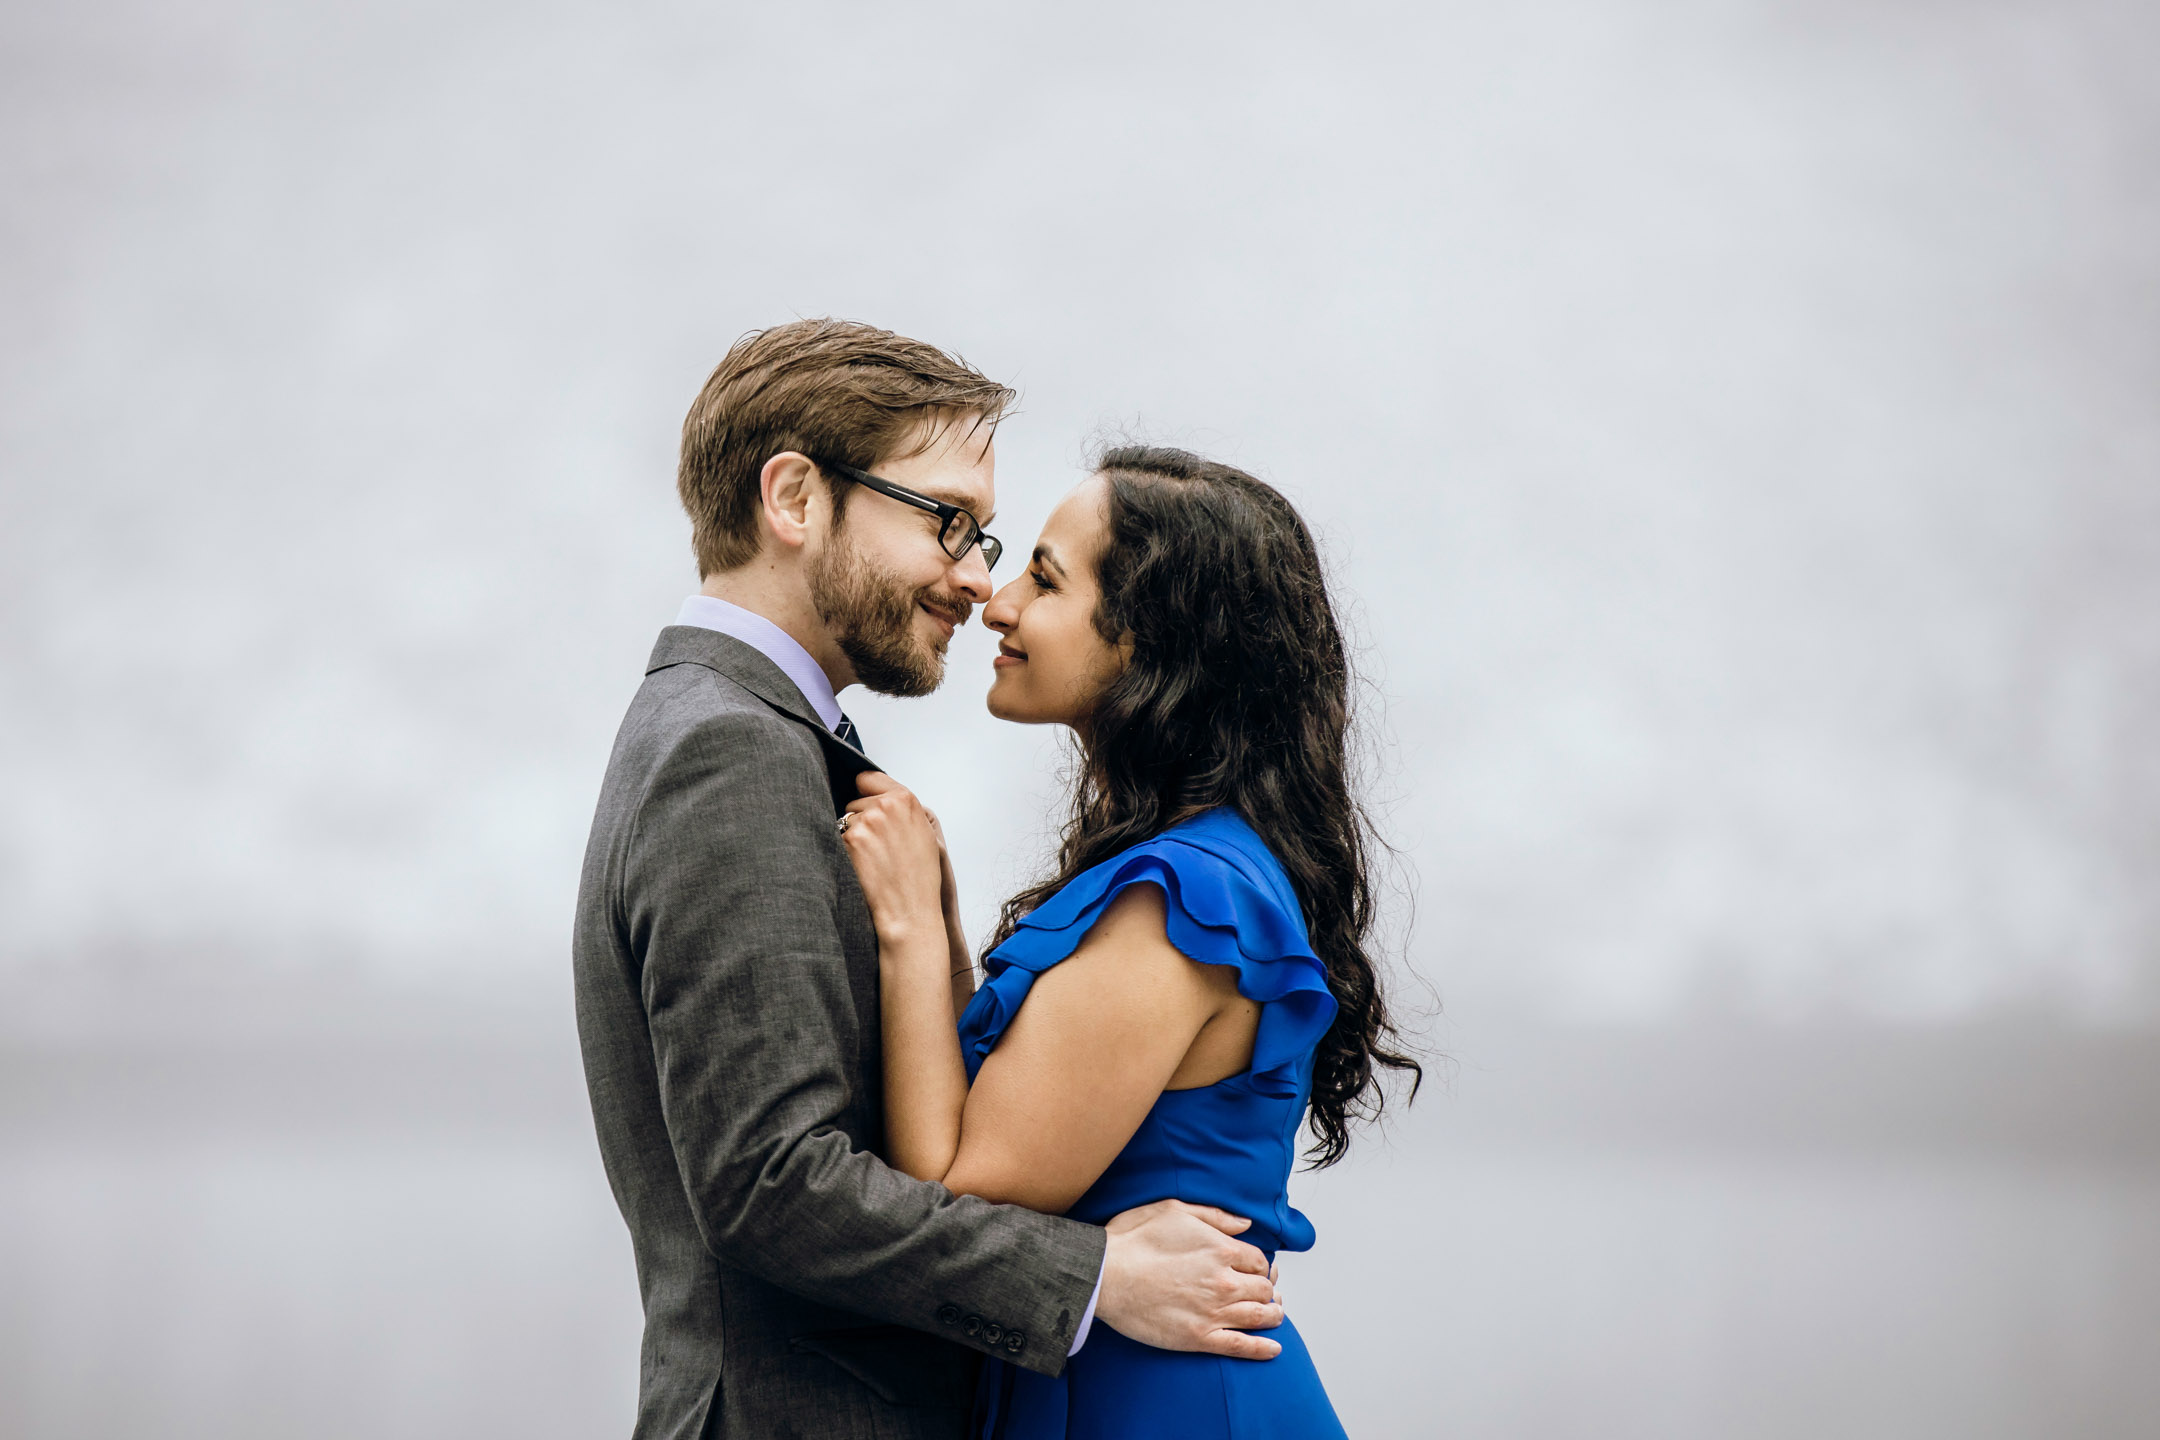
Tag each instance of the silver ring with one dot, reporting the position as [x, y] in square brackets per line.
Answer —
[850, 815]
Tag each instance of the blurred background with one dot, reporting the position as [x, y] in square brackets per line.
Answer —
[1732, 428]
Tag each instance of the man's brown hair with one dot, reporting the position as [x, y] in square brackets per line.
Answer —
[833, 390]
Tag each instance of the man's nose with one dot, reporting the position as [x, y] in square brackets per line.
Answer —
[971, 577]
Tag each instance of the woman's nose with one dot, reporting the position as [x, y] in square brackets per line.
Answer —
[1001, 614]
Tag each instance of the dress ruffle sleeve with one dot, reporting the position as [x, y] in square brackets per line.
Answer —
[1220, 909]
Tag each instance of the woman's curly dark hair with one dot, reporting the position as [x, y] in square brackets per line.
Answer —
[1237, 694]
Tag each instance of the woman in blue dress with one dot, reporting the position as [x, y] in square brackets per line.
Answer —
[1160, 1017]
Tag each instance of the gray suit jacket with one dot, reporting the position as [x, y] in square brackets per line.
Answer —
[727, 999]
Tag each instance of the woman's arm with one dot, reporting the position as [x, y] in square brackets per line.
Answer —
[1104, 1032]
[1102, 1035]
[893, 842]
[960, 960]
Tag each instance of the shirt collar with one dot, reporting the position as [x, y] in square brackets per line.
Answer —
[760, 634]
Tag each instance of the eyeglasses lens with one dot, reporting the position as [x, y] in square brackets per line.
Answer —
[961, 532]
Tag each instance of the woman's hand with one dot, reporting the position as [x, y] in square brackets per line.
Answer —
[899, 858]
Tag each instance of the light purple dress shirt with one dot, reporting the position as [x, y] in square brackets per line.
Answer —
[708, 612]
[775, 644]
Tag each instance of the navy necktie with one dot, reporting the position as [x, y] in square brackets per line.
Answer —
[844, 732]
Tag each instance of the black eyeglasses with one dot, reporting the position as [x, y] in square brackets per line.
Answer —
[957, 531]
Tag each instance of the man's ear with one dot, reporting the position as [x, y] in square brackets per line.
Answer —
[790, 492]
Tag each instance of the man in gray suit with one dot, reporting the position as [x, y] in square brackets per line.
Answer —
[727, 971]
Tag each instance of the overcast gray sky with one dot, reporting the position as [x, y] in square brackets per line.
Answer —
[1731, 425]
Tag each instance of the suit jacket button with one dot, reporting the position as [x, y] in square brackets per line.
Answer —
[1015, 1342]
[992, 1334]
[948, 1314]
[973, 1326]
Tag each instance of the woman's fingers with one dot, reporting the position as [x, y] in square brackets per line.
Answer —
[877, 782]
[893, 799]
[875, 785]
[895, 810]
[895, 849]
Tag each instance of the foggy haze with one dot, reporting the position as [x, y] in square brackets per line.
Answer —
[1732, 427]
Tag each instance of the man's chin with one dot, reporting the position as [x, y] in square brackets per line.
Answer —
[933, 671]
[920, 675]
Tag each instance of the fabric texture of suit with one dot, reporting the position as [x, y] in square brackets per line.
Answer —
[727, 999]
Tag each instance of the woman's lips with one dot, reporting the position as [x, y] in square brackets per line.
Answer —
[1006, 657]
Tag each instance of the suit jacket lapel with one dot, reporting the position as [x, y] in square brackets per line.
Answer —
[748, 667]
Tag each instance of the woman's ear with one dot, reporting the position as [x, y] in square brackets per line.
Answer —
[790, 490]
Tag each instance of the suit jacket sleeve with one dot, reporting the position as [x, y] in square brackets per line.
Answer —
[730, 895]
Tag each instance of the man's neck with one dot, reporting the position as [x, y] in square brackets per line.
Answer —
[763, 589]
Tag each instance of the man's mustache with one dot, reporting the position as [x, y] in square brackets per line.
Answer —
[948, 607]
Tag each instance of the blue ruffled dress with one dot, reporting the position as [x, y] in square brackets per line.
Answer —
[1232, 1144]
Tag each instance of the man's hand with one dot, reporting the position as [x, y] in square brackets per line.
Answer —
[1174, 1278]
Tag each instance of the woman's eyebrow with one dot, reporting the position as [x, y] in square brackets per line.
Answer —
[1044, 555]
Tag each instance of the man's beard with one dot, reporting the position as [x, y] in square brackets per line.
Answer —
[872, 617]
